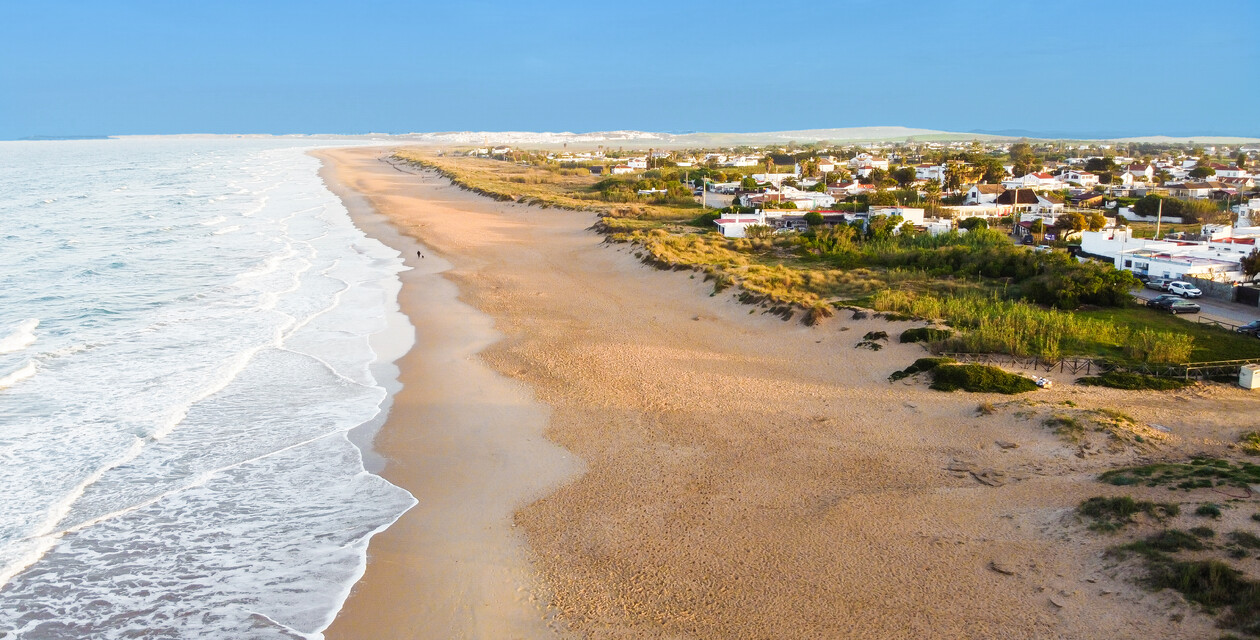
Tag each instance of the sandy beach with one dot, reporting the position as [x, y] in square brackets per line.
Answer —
[602, 449]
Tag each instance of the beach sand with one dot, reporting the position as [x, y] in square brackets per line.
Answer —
[708, 470]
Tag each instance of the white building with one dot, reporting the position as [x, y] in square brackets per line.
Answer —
[1083, 178]
[637, 163]
[983, 193]
[908, 214]
[733, 225]
[1216, 259]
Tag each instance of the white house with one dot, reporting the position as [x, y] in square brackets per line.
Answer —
[1230, 172]
[1217, 259]
[637, 163]
[983, 193]
[909, 214]
[1039, 180]
[1083, 178]
[930, 172]
[847, 189]
[1141, 172]
[622, 169]
[733, 225]
[867, 161]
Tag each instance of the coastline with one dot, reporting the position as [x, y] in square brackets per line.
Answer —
[745, 477]
[449, 417]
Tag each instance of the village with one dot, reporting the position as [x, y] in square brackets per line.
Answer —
[1163, 212]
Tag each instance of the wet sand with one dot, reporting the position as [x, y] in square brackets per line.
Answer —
[707, 470]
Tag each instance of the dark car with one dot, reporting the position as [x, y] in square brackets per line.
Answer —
[1182, 306]
[1251, 328]
[1162, 301]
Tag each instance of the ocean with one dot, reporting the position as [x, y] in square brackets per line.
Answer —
[187, 333]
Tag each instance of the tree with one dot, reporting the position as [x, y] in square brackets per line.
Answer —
[904, 176]
[1241, 160]
[954, 176]
[813, 218]
[1020, 150]
[1096, 221]
[973, 223]
[993, 171]
[1038, 227]
[1100, 165]
[883, 198]
[1202, 171]
[1026, 165]
[748, 184]
[1069, 223]
[1251, 264]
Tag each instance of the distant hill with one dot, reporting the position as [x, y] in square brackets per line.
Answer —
[700, 139]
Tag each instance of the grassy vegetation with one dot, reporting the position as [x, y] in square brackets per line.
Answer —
[1212, 584]
[1208, 342]
[979, 378]
[1111, 514]
[1199, 473]
[543, 185]
[1067, 427]
[925, 334]
[992, 324]
[1250, 443]
[1132, 381]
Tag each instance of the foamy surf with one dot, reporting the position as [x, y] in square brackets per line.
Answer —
[22, 337]
[21, 374]
[182, 430]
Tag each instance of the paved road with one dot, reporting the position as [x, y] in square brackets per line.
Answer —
[1213, 309]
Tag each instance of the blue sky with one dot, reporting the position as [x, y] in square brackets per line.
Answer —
[1079, 68]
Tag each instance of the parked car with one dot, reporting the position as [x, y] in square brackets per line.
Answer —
[1184, 289]
[1158, 284]
[1251, 328]
[1182, 306]
[1162, 301]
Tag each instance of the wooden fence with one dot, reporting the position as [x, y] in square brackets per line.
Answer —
[1089, 366]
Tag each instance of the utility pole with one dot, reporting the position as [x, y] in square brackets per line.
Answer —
[1159, 217]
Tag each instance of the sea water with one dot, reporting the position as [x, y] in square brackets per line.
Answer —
[185, 340]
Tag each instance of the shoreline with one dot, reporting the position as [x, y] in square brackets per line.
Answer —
[747, 477]
[466, 577]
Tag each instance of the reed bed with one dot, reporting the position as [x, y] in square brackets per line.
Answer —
[990, 324]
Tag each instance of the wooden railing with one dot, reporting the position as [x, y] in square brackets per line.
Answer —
[1088, 366]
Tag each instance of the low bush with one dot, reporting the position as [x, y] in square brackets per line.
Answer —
[925, 334]
[979, 378]
[1250, 442]
[1133, 381]
[1110, 514]
[921, 365]
[1208, 510]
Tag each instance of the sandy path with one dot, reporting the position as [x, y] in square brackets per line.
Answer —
[745, 477]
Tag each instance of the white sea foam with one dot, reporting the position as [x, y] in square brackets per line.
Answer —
[27, 370]
[174, 452]
[23, 336]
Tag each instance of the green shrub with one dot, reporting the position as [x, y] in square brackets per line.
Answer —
[1110, 514]
[1133, 381]
[979, 378]
[1250, 442]
[919, 366]
[1208, 510]
[925, 334]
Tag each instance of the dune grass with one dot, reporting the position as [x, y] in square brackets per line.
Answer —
[990, 324]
